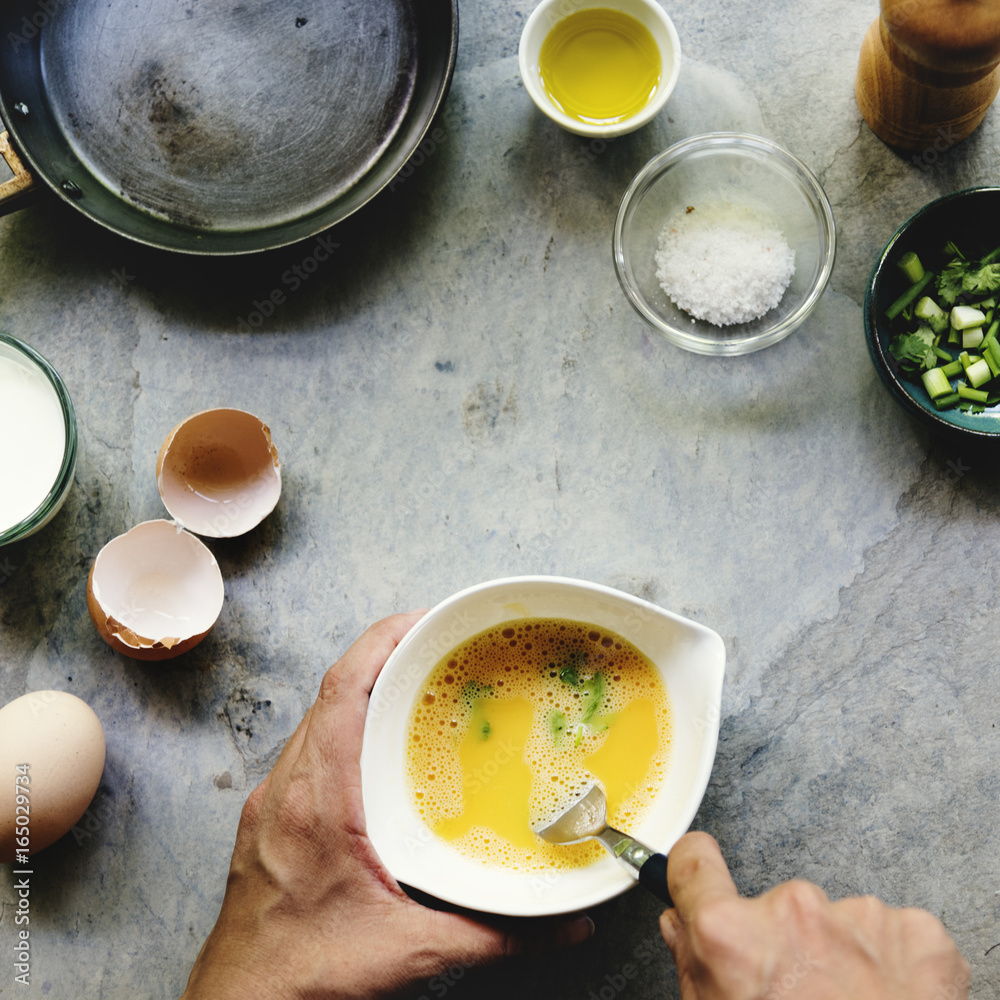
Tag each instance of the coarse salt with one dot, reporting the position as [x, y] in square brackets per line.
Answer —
[723, 264]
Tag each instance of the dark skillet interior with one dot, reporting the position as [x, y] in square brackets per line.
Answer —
[218, 126]
[968, 219]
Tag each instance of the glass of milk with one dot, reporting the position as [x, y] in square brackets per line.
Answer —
[38, 441]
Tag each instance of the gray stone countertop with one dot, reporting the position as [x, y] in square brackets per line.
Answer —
[461, 392]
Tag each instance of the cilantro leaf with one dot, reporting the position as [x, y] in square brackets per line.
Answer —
[911, 349]
[570, 671]
[594, 689]
[982, 280]
[568, 675]
[591, 689]
[949, 281]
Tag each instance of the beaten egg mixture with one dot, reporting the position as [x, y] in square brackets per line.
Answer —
[511, 725]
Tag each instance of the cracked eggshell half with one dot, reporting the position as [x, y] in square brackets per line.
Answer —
[154, 592]
[218, 473]
[52, 753]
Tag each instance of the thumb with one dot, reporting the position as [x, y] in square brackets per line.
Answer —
[549, 934]
[475, 942]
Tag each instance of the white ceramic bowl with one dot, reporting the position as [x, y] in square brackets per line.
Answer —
[647, 12]
[691, 659]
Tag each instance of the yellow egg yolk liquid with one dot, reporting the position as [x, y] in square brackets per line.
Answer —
[600, 66]
[516, 722]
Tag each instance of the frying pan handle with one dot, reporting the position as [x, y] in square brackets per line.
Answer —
[15, 192]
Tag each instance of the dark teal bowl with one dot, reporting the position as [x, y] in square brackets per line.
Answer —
[968, 218]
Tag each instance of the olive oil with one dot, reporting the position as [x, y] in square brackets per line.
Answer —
[600, 66]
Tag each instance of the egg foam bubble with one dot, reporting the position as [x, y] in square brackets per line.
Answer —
[513, 724]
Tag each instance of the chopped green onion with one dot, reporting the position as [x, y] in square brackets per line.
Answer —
[927, 309]
[976, 395]
[951, 331]
[990, 257]
[936, 383]
[978, 373]
[991, 352]
[947, 402]
[910, 265]
[965, 317]
[912, 293]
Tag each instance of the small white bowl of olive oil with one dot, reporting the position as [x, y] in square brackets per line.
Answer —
[599, 67]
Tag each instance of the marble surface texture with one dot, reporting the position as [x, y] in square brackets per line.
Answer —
[462, 392]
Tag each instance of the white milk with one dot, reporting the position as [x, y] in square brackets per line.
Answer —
[32, 439]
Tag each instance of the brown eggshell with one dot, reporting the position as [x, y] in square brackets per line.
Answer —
[52, 752]
[154, 592]
[218, 473]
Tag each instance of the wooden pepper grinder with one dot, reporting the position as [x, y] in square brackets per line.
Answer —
[929, 70]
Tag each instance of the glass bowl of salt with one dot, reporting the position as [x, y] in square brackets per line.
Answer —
[724, 243]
